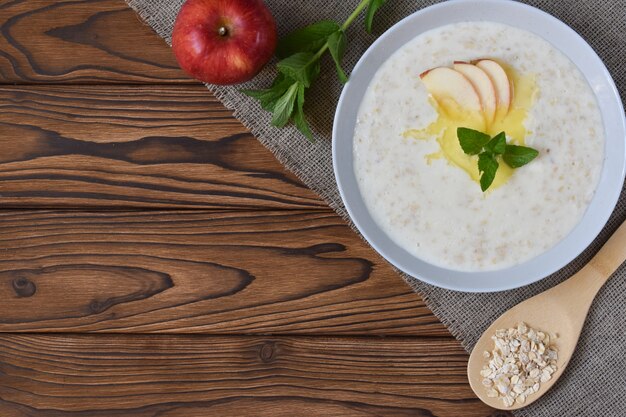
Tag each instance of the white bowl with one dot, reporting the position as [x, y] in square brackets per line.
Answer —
[560, 36]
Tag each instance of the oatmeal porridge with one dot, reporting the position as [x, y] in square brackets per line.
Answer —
[420, 187]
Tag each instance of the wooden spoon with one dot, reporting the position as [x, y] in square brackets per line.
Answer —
[561, 310]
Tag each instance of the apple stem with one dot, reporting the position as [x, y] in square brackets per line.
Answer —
[222, 31]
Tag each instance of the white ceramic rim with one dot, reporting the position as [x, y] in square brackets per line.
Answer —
[561, 37]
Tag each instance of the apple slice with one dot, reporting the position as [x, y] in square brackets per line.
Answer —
[497, 74]
[445, 83]
[483, 86]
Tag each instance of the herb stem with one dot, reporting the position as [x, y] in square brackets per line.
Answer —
[354, 14]
[319, 53]
[345, 26]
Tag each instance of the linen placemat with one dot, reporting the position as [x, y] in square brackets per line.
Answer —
[594, 383]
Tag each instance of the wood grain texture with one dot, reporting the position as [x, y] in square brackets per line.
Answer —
[260, 255]
[213, 272]
[81, 41]
[140, 146]
[183, 376]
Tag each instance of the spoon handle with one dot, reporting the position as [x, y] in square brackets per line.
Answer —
[576, 294]
[584, 286]
[610, 257]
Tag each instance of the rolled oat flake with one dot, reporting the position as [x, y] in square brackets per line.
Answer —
[521, 360]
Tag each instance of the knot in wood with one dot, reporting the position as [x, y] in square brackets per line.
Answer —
[267, 352]
[24, 287]
[97, 307]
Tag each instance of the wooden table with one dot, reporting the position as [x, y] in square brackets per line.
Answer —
[158, 261]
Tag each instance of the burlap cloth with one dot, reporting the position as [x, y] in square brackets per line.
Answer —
[595, 382]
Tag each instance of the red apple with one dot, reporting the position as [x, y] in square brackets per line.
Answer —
[224, 41]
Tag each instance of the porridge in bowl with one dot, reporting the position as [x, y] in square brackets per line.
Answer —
[425, 190]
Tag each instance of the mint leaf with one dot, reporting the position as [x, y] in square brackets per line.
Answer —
[497, 145]
[300, 96]
[268, 97]
[302, 67]
[518, 156]
[308, 39]
[298, 118]
[487, 166]
[372, 8]
[302, 125]
[472, 141]
[284, 106]
[337, 47]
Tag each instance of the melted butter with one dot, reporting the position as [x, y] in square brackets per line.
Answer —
[452, 116]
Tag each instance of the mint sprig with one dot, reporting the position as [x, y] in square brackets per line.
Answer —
[488, 149]
[300, 53]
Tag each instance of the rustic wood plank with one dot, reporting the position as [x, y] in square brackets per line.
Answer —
[219, 272]
[176, 376]
[150, 146]
[222, 272]
[81, 41]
